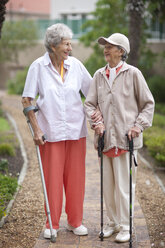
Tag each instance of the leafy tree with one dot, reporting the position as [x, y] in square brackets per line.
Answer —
[109, 17]
[16, 85]
[2, 13]
[157, 9]
[138, 11]
[127, 17]
[16, 36]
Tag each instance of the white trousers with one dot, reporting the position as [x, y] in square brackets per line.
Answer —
[116, 176]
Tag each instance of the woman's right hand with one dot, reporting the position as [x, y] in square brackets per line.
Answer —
[99, 129]
[39, 138]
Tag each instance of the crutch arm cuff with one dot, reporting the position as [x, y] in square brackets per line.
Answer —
[29, 108]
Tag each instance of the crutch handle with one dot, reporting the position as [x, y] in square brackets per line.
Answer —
[35, 109]
[44, 137]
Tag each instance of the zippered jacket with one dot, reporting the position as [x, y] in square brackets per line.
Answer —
[127, 103]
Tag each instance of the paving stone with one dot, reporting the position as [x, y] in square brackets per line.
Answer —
[139, 222]
[145, 244]
[142, 233]
[42, 244]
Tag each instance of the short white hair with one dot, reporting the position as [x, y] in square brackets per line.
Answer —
[55, 34]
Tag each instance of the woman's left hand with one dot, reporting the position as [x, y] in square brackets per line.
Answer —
[134, 132]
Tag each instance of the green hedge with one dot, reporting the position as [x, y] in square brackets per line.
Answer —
[154, 139]
[156, 84]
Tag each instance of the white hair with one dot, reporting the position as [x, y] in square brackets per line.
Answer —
[124, 56]
[55, 34]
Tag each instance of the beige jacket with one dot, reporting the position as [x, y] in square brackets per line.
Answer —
[127, 103]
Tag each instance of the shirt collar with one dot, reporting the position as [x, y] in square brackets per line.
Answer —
[47, 61]
[118, 65]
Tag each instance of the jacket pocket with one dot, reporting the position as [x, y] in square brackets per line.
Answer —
[101, 94]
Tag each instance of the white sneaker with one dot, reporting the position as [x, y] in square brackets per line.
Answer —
[109, 230]
[80, 230]
[122, 236]
[47, 234]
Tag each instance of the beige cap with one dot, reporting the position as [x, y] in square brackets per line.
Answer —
[116, 39]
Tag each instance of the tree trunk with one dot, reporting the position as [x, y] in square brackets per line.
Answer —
[136, 8]
[2, 13]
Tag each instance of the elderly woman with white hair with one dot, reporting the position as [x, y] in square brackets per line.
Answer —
[127, 106]
[57, 79]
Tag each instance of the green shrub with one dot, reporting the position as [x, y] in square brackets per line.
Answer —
[160, 108]
[4, 165]
[7, 149]
[4, 125]
[8, 186]
[8, 137]
[154, 139]
[157, 86]
[156, 146]
[159, 121]
[17, 36]
[1, 110]
[1, 113]
[2, 206]
[16, 85]
[95, 62]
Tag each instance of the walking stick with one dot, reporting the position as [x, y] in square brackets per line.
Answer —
[131, 149]
[53, 238]
[100, 154]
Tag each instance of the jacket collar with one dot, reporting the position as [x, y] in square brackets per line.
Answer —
[124, 68]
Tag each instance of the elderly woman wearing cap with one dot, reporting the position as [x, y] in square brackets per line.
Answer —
[127, 106]
[58, 78]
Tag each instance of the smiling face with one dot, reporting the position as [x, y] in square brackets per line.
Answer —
[63, 49]
[112, 54]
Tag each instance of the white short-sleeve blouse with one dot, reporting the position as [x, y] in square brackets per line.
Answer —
[61, 112]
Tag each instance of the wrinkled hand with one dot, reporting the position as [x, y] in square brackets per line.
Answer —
[99, 129]
[96, 116]
[134, 132]
[38, 138]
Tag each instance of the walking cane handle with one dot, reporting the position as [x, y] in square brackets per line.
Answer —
[130, 142]
[101, 144]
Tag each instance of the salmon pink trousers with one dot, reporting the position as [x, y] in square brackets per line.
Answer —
[64, 168]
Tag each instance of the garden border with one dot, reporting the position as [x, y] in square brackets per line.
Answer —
[23, 170]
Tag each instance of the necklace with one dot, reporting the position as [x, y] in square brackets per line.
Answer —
[62, 70]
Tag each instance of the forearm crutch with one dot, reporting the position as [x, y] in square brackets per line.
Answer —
[131, 149]
[100, 155]
[25, 111]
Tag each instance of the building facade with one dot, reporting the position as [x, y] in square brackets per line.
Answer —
[27, 9]
[71, 9]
